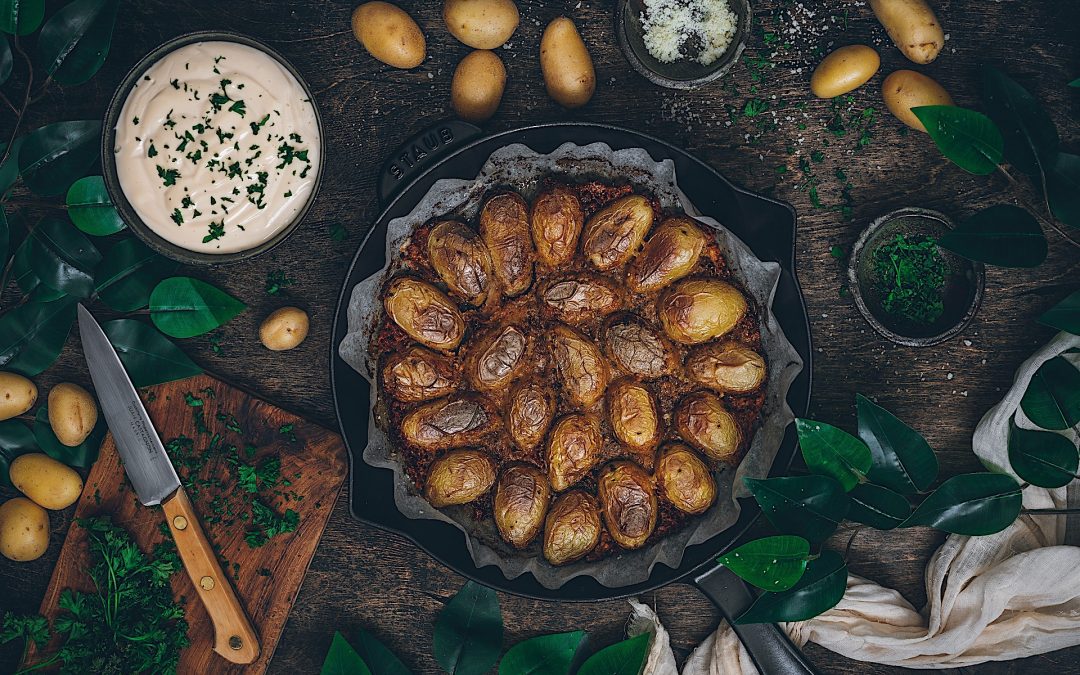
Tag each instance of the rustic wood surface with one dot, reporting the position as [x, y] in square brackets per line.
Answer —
[362, 577]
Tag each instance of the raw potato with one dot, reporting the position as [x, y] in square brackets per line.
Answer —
[844, 70]
[389, 34]
[45, 480]
[285, 328]
[566, 64]
[906, 89]
[17, 395]
[72, 413]
[481, 24]
[24, 530]
[478, 86]
[912, 26]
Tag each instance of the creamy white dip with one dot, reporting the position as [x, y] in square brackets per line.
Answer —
[217, 147]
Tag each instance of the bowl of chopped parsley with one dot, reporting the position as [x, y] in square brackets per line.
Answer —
[908, 288]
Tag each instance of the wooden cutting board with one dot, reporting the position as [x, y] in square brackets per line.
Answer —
[267, 578]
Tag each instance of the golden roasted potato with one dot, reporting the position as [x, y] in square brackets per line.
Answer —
[669, 255]
[912, 26]
[389, 34]
[24, 530]
[573, 450]
[419, 374]
[451, 422]
[529, 411]
[17, 395]
[521, 501]
[572, 527]
[504, 225]
[481, 24]
[424, 312]
[698, 310]
[844, 70]
[494, 359]
[703, 422]
[576, 298]
[614, 233]
[46, 481]
[727, 366]
[633, 414]
[903, 90]
[637, 348]
[684, 479]
[628, 500]
[459, 477]
[579, 364]
[477, 87]
[72, 413]
[285, 328]
[566, 64]
[557, 219]
[461, 259]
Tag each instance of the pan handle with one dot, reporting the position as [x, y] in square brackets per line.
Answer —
[770, 649]
[419, 152]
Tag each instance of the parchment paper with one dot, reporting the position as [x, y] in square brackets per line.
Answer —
[522, 169]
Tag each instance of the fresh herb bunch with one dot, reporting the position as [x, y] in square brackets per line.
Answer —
[910, 275]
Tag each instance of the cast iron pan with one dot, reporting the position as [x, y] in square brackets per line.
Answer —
[458, 150]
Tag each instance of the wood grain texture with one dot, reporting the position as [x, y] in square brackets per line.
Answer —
[362, 577]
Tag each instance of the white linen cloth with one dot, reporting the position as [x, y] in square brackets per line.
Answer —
[994, 598]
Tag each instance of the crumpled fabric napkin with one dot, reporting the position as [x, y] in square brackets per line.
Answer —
[1004, 596]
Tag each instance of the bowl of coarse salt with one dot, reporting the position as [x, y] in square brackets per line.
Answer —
[682, 44]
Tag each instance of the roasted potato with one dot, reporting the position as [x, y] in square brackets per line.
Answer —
[576, 298]
[684, 479]
[614, 233]
[669, 255]
[481, 24]
[529, 411]
[566, 64]
[633, 414]
[579, 364]
[705, 423]
[903, 90]
[461, 259]
[628, 502]
[637, 348]
[698, 310]
[504, 225]
[72, 413]
[24, 530]
[419, 374]
[17, 395]
[573, 449]
[494, 359]
[521, 501]
[424, 312]
[46, 481]
[572, 527]
[389, 34]
[459, 477]
[452, 422]
[557, 220]
[912, 26]
[285, 328]
[477, 87]
[727, 366]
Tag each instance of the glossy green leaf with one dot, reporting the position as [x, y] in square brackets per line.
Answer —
[33, 335]
[9, 170]
[54, 156]
[829, 451]
[75, 40]
[7, 61]
[342, 659]
[469, 631]
[1052, 399]
[876, 506]
[771, 563]
[128, 273]
[1042, 458]
[22, 272]
[15, 439]
[1029, 134]
[1075, 83]
[821, 587]
[1063, 187]
[1065, 315]
[184, 307]
[974, 504]
[82, 455]
[21, 17]
[902, 459]
[91, 209]
[622, 658]
[968, 138]
[542, 655]
[807, 506]
[1002, 235]
[148, 356]
[63, 258]
[379, 659]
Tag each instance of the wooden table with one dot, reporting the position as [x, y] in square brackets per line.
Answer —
[364, 577]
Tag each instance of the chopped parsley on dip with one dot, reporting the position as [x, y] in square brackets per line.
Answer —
[217, 147]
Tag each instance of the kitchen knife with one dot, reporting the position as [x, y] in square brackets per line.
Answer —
[155, 481]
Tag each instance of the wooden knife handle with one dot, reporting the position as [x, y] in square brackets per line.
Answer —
[234, 636]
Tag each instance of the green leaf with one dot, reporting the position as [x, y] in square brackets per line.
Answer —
[1029, 134]
[342, 659]
[63, 258]
[33, 335]
[968, 138]
[91, 209]
[1063, 187]
[128, 274]
[902, 459]
[877, 506]
[15, 439]
[469, 631]
[1002, 235]
[5, 240]
[183, 307]
[974, 504]
[542, 655]
[1065, 315]
[9, 170]
[1052, 399]
[7, 61]
[52, 157]
[829, 451]
[75, 41]
[622, 658]
[771, 563]
[807, 506]
[1042, 458]
[82, 455]
[23, 273]
[379, 659]
[148, 356]
[21, 17]
[821, 587]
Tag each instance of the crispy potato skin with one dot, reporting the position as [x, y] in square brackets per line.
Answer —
[529, 411]
[572, 527]
[633, 414]
[684, 479]
[576, 298]
[614, 234]
[698, 310]
[521, 500]
[912, 26]
[504, 226]
[573, 450]
[638, 348]
[628, 500]
[424, 312]
[459, 477]
[705, 423]
[727, 366]
[669, 255]
[461, 259]
[579, 364]
[419, 374]
[452, 422]
[493, 360]
[557, 220]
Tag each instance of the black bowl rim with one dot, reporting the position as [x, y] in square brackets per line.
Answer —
[108, 161]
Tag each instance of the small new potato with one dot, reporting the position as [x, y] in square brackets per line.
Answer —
[572, 527]
[504, 226]
[566, 64]
[389, 34]
[557, 219]
[698, 310]
[24, 530]
[285, 328]
[579, 365]
[705, 423]
[461, 259]
[726, 367]
[424, 312]
[628, 500]
[17, 395]
[633, 414]
[46, 481]
[72, 413]
[521, 500]
[456, 421]
[478, 85]
[614, 233]
[844, 70]
[459, 477]
[481, 24]
[529, 411]
[685, 480]
[669, 255]
[573, 450]
[906, 89]
[912, 26]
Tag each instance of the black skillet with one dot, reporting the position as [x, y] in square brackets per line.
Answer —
[458, 150]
